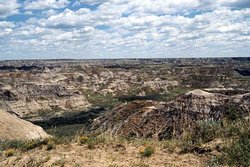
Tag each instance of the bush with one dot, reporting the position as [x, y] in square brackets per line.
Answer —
[9, 152]
[83, 139]
[22, 145]
[234, 113]
[171, 145]
[238, 153]
[214, 162]
[91, 144]
[206, 131]
[91, 141]
[146, 151]
[31, 144]
[4, 145]
[187, 146]
[51, 145]
[25, 145]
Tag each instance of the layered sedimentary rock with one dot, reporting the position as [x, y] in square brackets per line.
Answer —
[14, 128]
[167, 119]
[30, 98]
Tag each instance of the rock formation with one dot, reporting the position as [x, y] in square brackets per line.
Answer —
[30, 98]
[161, 120]
[14, 128]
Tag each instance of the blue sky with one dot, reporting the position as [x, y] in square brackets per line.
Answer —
[84, 29]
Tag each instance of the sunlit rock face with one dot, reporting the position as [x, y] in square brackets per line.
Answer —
[14, 128]
[29, 98]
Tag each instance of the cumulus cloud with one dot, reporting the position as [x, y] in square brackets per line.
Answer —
[218, 4]
[126, 28]
[92, 2]
[6, 24]
[8, 8]
[46, 4]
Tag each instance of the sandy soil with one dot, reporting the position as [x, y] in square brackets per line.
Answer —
[104, 155]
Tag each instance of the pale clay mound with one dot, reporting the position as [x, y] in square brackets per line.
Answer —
[14, 128]
[199, 92]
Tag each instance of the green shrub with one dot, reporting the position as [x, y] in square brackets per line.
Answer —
[206, 131]
[92, 141]
[234, 113]
[51, 145]
[9, 152]
[4, 145]
[91, 144]
[236, 136]
[146, 151]
[187, 146]
[238, 152]
[235, 128]
[171, 145]
[214, 162]
[29, 145]
[22, 145]
[83, 139]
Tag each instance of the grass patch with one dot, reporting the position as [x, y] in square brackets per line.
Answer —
[91, 141]
[29, 145]
[51, 145]
[66, 131]
[9, 152]
[100, 100]
[83, 140]
[146, 151]
[206, 131]
[171, 145]
[22, 145]
[238, 152]
[237, 149]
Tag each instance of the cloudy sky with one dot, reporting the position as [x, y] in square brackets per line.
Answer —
[124, 28]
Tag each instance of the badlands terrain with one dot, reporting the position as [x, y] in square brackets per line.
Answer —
[130, 112]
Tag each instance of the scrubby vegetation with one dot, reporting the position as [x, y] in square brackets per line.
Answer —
[234, 149]
[146, 151]
[233, 132]
[22, 145]
[9, 152]
[50, 143]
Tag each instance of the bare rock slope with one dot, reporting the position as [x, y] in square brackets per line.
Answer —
[14, 128]
[30, 98]
[161, 120]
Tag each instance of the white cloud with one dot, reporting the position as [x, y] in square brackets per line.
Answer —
[28, 13]
[92, 2]
[69, 19]
[6, 24]
[50, 12]
[8, 7]
[46, 4]
[126, 28]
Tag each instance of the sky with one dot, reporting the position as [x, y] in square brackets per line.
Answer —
[98, 29]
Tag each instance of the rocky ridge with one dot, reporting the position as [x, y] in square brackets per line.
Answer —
[31, 98]
[161, 120]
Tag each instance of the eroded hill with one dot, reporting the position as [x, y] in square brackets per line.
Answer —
[188, 103]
